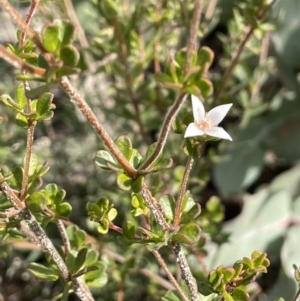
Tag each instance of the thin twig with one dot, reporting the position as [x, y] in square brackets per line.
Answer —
[25, 28]
[164, 132]
[262, 59]
[155, 210]
[186, 272]
[236, 55]
[182, 191]
[112, 255]
[169, 274]
[73, 17]
[19, 63]
[192, 45]
[82, 105]
[29, 145]
[32, 8]
[97, 126]
[191, 48]
[44, 241]
[121, 290]
[297, 295]
[64, 236]
[128, 79]
[10, 195]
[247, 34]
[210, 9]
[9, 213]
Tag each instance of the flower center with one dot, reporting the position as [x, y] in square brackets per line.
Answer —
[205, 124]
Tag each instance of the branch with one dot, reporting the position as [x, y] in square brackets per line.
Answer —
[63, 233]
[186, 272]
[192, 42]
[154, 208]
[191, 48]
[29, 145]
[128, 78]
[164, 132]
[92, 119]
[169, 274]
[19, 63]
[182, 191]
[25, 28]
[44, 241]
[297, 295]
[235, 57]
[32, 9]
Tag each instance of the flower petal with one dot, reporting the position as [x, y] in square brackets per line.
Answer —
[218, 132]
[198, 109]
[193, 130]
[217, 114]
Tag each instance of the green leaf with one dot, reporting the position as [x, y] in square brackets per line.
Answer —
[64, 209]
[20, 96]
[43, 169]
[91, 258]
[70, 261]
[188, 234]
[239, 294]
[139, 206]
[124, 182]
[69, 33]
[8, 101]
[171, 296]
[101, 267]
[51, 37]
[77, 237]
[42, 273]
[103, 226]
[178, 127]
[21, 120]
[112, 213]
[180, 58]
[17, 179]
[36, 92]
[36, 201]
[167, 203]
[206, 290]
[51, 189]
[161, 164]
[108, 8]
[105, 160]
[129, 230]
[205, 86]
[125, 146]
[35, 184]
[149, 152]
[163, 78]
[80, 259]
[205, 58]
[188, 202]
[44, 103]
[228, 274]
[137, 184]
[69, 55]
[191, 214]
[59, 197]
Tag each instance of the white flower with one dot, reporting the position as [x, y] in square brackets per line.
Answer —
[207, 123]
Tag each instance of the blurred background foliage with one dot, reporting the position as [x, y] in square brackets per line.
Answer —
[256, 177]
